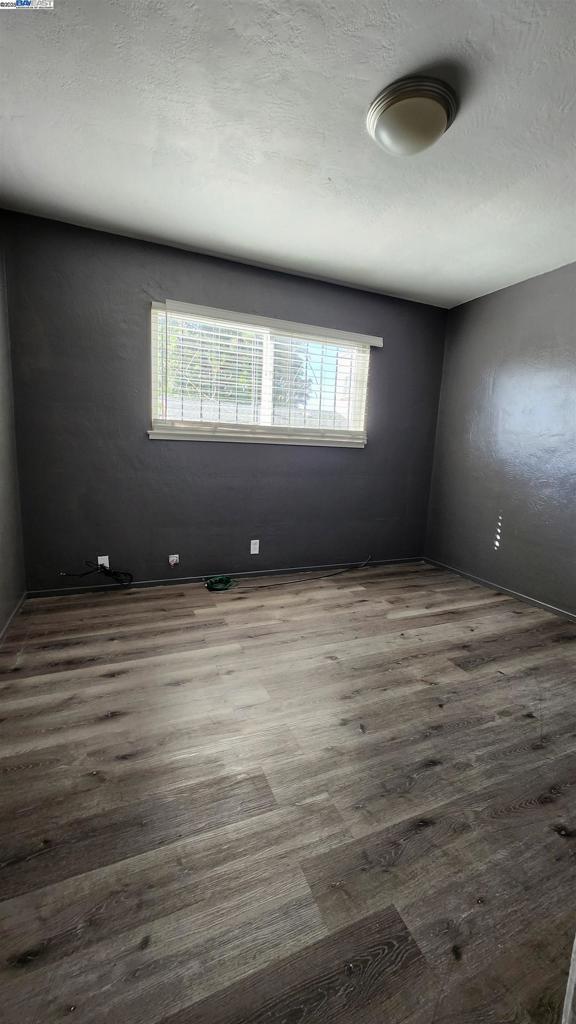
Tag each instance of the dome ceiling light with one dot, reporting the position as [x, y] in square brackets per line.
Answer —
[411, 114]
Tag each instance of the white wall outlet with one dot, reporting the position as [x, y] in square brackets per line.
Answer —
[104, 560]
[254, 547]
[173, 560]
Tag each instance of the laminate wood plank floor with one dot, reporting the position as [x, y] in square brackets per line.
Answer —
[343, 801]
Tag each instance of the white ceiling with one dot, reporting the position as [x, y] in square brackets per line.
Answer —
[237, 127]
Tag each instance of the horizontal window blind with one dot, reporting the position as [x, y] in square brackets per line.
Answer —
[217, 377]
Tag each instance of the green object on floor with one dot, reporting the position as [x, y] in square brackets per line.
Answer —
[219, 583]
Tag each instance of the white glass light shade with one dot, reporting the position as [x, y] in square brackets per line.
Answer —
[411, 115]
[411, 125]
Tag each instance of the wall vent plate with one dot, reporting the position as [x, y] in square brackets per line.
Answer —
[254, 547]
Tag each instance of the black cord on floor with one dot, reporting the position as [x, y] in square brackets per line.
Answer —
[120, 576]
[308, 579]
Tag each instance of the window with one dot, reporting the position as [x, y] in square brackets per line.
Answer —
[225, 376]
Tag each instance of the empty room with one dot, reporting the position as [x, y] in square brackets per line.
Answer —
[287, 511]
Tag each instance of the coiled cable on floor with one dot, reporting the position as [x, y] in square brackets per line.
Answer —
[120, 576]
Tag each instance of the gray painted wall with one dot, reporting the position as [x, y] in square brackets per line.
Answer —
[92, 482]
[506, 440]
[11, 559]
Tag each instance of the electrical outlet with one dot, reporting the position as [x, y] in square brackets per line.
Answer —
[254, 547]
[173, 560]
[104, 560]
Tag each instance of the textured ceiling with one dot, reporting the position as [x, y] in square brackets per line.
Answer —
[237, 127]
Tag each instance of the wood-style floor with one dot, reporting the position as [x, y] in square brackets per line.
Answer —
[350, 801]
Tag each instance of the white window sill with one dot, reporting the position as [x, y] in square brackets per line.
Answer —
[258, 435]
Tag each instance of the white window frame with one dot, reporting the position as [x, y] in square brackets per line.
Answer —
[253, 433]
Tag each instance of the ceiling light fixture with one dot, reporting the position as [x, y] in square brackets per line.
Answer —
[411, 114]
